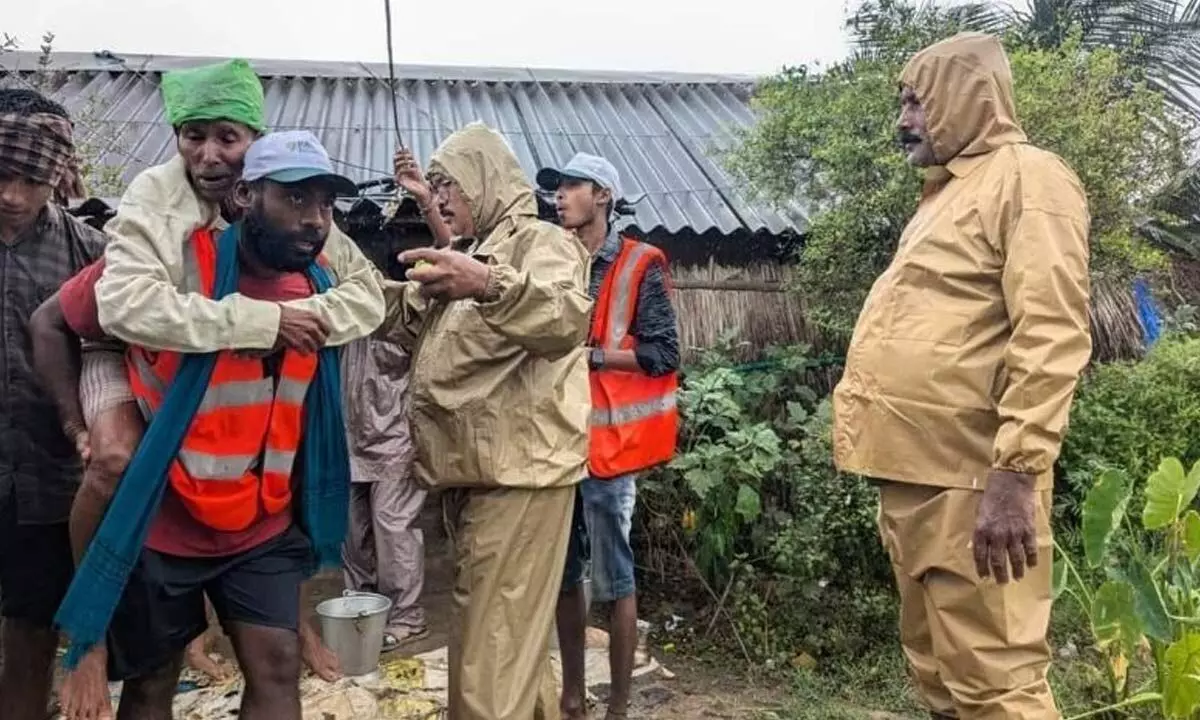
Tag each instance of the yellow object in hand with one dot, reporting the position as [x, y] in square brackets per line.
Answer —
[422, 263]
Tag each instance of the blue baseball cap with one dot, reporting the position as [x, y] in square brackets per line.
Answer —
[292, 156]
[583, 167]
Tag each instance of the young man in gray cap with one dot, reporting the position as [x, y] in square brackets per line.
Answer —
[634, 358]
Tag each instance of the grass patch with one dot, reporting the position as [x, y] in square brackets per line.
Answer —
[876, 687]
[861, 689]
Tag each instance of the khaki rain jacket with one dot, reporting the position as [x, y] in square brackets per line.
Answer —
[967, 351]
[499, 390]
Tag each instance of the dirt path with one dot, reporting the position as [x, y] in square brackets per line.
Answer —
[666, 687]
[411, 683]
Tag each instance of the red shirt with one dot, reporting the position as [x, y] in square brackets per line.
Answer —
[175, 531]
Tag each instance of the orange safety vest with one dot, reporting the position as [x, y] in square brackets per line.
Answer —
[239, 451]
[634, 423]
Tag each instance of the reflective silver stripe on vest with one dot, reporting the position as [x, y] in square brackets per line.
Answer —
[619, 301]
[278, 461]
[206, 466]
[291, 391]
[148, 378]
[236, 394]
[147, 411]
[632, 412]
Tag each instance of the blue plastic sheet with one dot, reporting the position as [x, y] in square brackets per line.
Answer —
[1148, 312]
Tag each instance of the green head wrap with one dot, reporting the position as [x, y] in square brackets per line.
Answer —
[226, 91]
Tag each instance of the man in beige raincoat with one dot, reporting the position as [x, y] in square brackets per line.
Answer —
[499, 413]
[958, 383]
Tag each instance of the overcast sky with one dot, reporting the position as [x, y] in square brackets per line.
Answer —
[734, 36]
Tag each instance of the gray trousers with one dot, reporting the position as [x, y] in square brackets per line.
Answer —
[384, 552]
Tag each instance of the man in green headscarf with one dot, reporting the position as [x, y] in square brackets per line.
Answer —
[217, 111]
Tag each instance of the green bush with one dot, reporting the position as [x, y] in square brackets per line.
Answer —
[1127, 415]
[755, 502]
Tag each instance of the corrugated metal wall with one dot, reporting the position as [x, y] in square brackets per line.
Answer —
[664, 134]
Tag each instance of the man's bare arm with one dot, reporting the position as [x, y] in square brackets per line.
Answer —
[114, 437]
[56, 357]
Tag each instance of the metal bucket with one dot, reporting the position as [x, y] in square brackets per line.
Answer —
[352, 627]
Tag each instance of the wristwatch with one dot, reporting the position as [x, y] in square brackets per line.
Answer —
[596, 358]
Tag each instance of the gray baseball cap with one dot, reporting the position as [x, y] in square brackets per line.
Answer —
[292, 156]
[583, 167]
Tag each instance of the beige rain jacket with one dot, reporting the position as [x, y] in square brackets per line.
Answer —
[138, 295]
[967, 351]
[499, 390]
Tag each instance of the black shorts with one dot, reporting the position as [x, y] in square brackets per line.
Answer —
[162, 609]
[36, 566]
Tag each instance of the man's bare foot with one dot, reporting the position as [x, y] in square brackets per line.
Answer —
[319, 659]
[198, 660]
[84, 694]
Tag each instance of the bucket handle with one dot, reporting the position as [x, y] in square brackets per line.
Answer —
[355, 593]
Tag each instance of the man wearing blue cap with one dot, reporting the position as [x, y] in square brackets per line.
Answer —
[633, 358]
[226, 529]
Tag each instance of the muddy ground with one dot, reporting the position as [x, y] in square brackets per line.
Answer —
[667, 686]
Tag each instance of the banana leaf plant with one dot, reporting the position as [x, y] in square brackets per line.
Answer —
[1139, 587]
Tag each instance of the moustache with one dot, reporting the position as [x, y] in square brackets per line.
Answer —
[909, 139]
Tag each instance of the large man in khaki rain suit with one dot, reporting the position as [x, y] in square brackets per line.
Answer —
[499, 413]
[958, 383]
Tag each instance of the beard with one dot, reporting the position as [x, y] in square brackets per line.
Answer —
[280, 249]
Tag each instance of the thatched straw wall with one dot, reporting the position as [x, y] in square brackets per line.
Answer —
[1185, 280]
[752, 304]
[1116, 328]
[749, 304]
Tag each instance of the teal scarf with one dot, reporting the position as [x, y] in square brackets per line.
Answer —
[325, 468]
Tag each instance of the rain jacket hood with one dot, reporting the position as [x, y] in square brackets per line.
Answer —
[487, 172]
[499, 383]
[965, 85]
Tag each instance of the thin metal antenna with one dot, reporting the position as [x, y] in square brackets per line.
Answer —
[387, 8]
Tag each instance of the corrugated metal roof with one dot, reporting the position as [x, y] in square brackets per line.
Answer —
[663, 131]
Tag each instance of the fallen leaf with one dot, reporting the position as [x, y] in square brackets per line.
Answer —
[804, 661]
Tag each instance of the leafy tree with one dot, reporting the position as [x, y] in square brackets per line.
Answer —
[1161, 37]
[830, 137]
